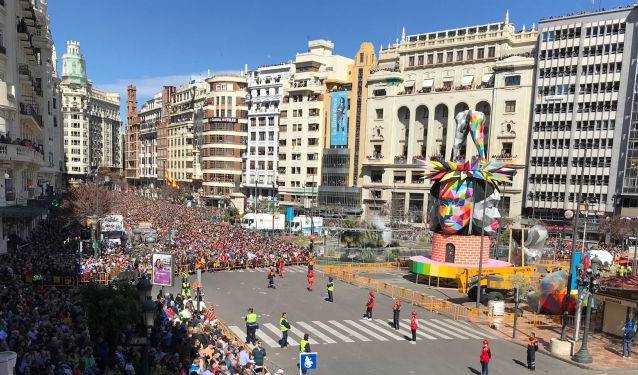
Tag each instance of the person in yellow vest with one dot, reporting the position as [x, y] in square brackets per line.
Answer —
[622, 271]
[304, 347]
[330, 288]
[630, 270]
[251, 326]
[186, 287]
[284, 326]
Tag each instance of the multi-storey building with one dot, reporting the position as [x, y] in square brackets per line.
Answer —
[414, 94]
[343, 155]
[91, 119]
[183, 134]
[132, 137]
[265, 88]
[224, 139]
[302, 121]
[31, 153]
[579, 137]
[150, 115]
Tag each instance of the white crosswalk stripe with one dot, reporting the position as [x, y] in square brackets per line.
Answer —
[457, 329]
[466, 326]
[250, 269]
[366, 330]
[276, 331]
[385, 331]
[314, 332]
[295, 331]
[332, 331]
[407, 332]
[351, 332]
[433, 328]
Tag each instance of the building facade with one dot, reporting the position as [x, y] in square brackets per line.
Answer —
[184, 134]
[132, 137]
[419, 85]
[265, 88]
[302, 121]
[150, 115]
[581, 137]
[91, 119]
[224, 140]
[31, 152]
[340, 193]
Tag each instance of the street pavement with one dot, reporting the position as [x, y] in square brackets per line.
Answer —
[348, 345]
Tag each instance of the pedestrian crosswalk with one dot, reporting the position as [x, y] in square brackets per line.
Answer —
[361, 330]
[291, 269]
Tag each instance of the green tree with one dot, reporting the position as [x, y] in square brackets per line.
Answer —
[231, 214]
[110, 308]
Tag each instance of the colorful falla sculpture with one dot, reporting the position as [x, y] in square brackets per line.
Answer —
[464, 195]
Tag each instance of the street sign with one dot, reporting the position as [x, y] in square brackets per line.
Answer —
[307, 361]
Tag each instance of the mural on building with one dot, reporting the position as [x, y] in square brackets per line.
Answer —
[339, 118]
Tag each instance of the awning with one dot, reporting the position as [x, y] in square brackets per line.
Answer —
[428, 83]
[467, 80]
[487, 77]
[408, 84]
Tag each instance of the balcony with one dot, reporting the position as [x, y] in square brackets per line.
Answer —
[400, 159]
[7, 96]
[31, 113]
[20, 153]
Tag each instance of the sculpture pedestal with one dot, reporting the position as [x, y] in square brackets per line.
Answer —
[459, 249]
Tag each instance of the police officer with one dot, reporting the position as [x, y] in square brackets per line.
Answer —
[186, 287]
[284, 326]
[304, 347]
[251, 326]
[330, 288]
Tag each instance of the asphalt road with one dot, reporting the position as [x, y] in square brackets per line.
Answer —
[346, 345]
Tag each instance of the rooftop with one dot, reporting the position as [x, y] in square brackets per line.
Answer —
[581, 14]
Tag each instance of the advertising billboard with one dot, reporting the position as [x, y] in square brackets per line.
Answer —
[162, 269]
[339, 118]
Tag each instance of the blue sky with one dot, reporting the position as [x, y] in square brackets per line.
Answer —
[155, 42]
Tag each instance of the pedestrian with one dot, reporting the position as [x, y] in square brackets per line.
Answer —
[259, 354]
[282, 265]
[629, 331]
[284, 326]
[304, 347]
[414, 324]
[331, 288]
[369, 306]
[251, 326]
[532, 348]
[311, 279]
[271, 278]
[396, 310]
[486, 356]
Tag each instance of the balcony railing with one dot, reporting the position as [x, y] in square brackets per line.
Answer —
[375, 156]
[400, 159]
[16, 152]
[29, 110]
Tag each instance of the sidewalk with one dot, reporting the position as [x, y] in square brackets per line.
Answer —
[606, 350]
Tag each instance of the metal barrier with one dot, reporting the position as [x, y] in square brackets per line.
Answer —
[231, 335]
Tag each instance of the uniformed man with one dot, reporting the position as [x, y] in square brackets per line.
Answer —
[532, 348]
[186, 287]
[330, 288]
[284, 326]
[251, 326]
[304, 347]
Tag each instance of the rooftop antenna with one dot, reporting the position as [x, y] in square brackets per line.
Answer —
[507, 16]
[403, 34]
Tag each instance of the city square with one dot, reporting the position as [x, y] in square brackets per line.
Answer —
[304, 191]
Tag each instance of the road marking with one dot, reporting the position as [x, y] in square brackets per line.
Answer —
[236, 330]
[240, 270]
[367, 331]
[332, 331]
[350, 331]
[436, 328]
[382, 330]
[276, 331]
[295, 331]
[261, 335]
[250, 269]
[427, 326]
[467, 326]
[452, 327]
[317, 333]
[407, 331]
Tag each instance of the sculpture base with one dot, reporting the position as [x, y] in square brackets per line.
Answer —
[425, 266]
[462, 249]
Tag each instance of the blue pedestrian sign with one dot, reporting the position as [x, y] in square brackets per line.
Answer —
[307, 361]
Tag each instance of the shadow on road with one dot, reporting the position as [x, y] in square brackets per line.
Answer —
[473, 370]
[519, 362]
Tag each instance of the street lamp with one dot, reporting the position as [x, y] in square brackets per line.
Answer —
[144, 288]
[590, 279]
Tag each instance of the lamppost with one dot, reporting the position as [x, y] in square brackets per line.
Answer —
[144, 288]
[590, 280]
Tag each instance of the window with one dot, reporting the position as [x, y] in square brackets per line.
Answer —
[420, 60]
[459, 55]
[313, 141]
[510, 106]
[379, 113]
[514, 80]
[411, 61]
[480, 53]
[506, 151]
[491, 52]
[470, 54]
[449, 56]
[439, 58]
[361, 58]
[430, 59]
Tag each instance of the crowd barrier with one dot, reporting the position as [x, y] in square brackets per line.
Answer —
[348, 274]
